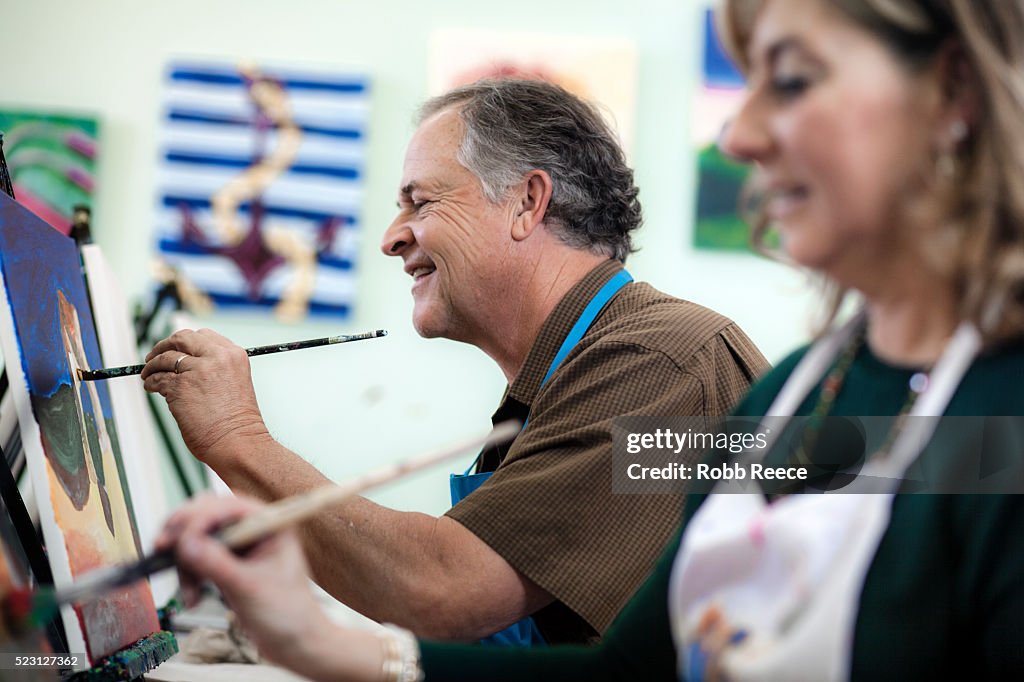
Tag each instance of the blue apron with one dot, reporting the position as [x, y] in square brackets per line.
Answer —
[525, 632]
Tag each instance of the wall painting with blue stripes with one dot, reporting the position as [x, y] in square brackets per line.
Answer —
[261, 186]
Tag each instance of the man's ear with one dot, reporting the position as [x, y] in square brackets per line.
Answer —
[532, 204]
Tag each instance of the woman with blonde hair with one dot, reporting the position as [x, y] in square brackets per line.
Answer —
[888, 140]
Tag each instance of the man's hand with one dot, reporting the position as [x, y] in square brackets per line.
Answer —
[208, 386]
[267, 587]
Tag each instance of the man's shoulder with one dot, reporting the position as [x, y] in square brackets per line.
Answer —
[647, 318]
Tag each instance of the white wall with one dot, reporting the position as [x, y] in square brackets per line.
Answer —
[348, 407]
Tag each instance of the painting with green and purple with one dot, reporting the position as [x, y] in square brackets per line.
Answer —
[67, 427]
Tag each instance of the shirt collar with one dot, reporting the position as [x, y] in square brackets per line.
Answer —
[556, 327]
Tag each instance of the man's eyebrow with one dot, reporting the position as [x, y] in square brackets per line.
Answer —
[405, 193]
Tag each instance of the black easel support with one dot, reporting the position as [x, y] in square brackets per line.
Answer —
[6, 184]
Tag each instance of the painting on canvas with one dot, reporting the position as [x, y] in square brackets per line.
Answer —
[261, 186]
[67, 427]
[52, 159]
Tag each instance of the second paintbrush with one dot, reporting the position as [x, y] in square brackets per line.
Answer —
[128, 370]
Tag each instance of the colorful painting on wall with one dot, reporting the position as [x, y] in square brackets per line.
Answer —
[261, 186]
[601, 70]
[52, 159]
[67, 427]
[719, 179]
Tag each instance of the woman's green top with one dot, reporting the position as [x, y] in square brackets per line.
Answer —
[943, 598]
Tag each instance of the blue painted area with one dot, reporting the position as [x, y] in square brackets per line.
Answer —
[187, 116]
[37, 261]
[241, 302]
[230, 77]
[718, 69]
[193, 249]
[174, 201]
[341, 172]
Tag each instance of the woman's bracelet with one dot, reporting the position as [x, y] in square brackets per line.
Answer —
[401, 655]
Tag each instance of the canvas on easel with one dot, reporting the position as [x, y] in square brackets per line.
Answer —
[140, 449]
[67, 428]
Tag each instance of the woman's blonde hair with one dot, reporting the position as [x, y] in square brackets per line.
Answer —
[980, 242]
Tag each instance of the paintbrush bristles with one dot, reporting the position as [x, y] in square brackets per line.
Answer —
[298, 508]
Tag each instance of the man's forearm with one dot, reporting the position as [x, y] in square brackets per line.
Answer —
[406, 568]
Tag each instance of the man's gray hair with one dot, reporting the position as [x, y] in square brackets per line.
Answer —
[515, 126]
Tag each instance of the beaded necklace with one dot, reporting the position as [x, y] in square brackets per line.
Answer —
[830, 388]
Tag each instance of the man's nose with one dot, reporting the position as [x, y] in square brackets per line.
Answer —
[397, 238]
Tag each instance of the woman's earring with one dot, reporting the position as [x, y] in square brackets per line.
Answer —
[946, 164]
[957, 131]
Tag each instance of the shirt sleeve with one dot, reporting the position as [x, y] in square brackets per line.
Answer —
[549, 509]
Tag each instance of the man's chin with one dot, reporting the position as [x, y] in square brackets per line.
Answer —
[427, 326]
[427, 332]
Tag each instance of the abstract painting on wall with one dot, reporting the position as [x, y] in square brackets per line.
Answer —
[600, 70]
[52, 159]
[67, 427]
[719, 178]
[261, 186]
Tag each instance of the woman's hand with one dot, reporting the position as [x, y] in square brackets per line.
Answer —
[268, 588]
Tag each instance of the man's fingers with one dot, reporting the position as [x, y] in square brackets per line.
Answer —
[190, 341]
[175, 361]
[175, 341]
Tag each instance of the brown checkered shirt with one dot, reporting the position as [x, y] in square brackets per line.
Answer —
[549, 509]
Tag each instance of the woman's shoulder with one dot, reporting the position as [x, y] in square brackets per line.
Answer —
[994, 383]
[764, 390]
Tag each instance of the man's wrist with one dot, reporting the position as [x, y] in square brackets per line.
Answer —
[235, 442]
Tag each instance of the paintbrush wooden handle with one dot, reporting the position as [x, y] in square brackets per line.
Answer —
[275, 517]
[297, 508]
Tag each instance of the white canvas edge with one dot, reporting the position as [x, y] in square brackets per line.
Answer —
[140, 451]
[56, 550]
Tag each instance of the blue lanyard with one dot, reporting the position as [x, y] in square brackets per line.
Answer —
[586, 318]
[583, 322]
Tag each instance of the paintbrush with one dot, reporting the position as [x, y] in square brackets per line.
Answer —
[128, 370]
[246, 532]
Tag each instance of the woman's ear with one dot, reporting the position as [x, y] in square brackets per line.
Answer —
[961, 99]
[532, 204]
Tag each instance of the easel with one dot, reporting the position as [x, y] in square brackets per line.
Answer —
[133, 661]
